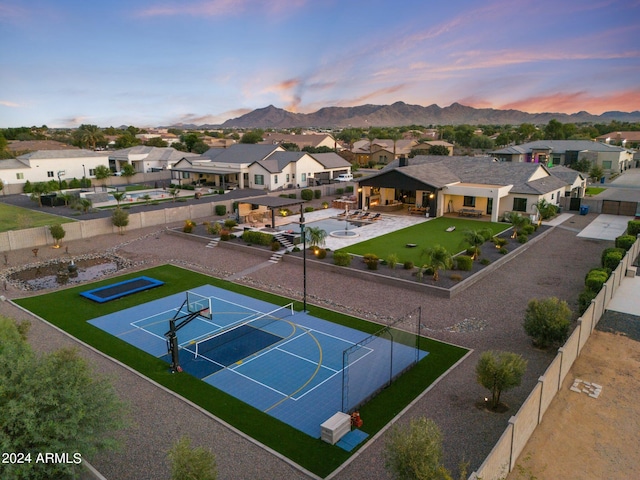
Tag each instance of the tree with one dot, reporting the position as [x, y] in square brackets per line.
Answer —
[2, 186]
[119, 196]
[437, 258]
[438, 150]
[102, 172]
[414, 452]
[128, 171]
[52, 402]
[596, 172]
[120, 219]
[554, 130]
[37, 190]
[189, 139]
[191, 463]
[498, 372]
[583, 165]
[316, 236]
[127, 140]
[156, 142]
[252, 137]
[476, 238]
[58, 233]
[545, 209]
[88, 136]
[517, 221]
[547, 321]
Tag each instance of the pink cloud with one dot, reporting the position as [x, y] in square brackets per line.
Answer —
[6, 103]
[571, 102]
[220, 8]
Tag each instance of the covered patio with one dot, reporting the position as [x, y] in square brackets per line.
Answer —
[256, 211]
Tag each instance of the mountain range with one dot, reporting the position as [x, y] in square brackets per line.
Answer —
[401, 114]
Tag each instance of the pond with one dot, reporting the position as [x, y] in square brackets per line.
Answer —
[66, 271]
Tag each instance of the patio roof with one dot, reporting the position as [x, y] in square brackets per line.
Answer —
[273, 202]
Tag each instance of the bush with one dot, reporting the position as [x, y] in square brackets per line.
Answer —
[464, 263]
[584, 299]
[275, 246]
[456, 277]
[342, 259]
[596, 278]
[547, 321]
[214, 228]
[339, 191]
[293, 195]
[485, 261]
[371, 260]
[257, 238]
[230, 223]
[325, 204]
[500, 241]
[308, 209]
[625, 242]
[348, 189]
[225, 235]
[408, 265]
[392, 260]
[188, 226]
[321, 253]
[611, 260]
[221, 210]
[317, 194]
[605, 254]
[633, 228]
[522, 238]
[528, 229]
[306, 194]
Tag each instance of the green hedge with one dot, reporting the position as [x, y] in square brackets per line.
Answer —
[257, 238]
[610, 257]
[633, 228]
[464, 263]
[625, 242]
[306, 194]
[221, 210]
[595, 279]
[342, 259]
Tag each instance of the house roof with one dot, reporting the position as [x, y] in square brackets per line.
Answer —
[568, 175]
[55, 154]
[273, 202]
[152, 153]
[12, 164]
[559, 146]
[402, 145]
[331, 160]
[277, 161]
[241, 153]
[32, 145]
[304, 140]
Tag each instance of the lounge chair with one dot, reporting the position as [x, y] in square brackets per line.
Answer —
[364, 216]
[355, 213]
[377, 216]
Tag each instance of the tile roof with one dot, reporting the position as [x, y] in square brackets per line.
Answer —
[331, 160]
[53, 154]
[241, 153]
[559, 146]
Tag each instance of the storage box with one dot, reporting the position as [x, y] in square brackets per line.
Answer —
[335, 427]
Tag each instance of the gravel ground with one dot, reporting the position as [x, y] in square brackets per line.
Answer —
[486, 316]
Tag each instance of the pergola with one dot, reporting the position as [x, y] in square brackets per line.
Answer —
[272, 204]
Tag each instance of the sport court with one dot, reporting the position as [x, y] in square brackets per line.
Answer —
[288, 364]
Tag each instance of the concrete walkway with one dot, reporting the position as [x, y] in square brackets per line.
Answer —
[606, 227]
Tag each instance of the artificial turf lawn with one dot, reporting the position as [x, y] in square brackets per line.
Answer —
[18, 218]
[69, 311]
[424, 235]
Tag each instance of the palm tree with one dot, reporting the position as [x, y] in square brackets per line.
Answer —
[315, 236]
[119, 196]
[476, 238]
[89, 135]
[438, 258]
[37, 190]
[102, 172]
[518, 221]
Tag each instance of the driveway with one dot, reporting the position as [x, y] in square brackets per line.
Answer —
[606, 227]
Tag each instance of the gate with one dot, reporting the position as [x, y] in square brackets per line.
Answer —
[574, 204]
[616, 207]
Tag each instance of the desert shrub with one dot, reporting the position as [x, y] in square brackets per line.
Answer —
[456, 277]
[371, 259]
[528, 229]
[596, 278]
[633, 228]
[189, 225]
[225, 235]
[214, 228]
[293, 195]
[339, 191]
[317, 194]
[284, 195]
[342, 259]
[625, 242]
[471, 251]
[606, 252]
[275, 246]
[348, 189]
[321, 253]
[612, 259]
[306, 194]
[308, 209]
[230, 223]
[408, 265]
[485, 261]
[392, 260]
[325, 204]
[584, 299]
[258, 238]
[464, 263]
[522, 238]
[500, 241]
[547, 321]
[221, 210]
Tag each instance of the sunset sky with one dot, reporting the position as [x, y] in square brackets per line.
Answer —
[150, 63]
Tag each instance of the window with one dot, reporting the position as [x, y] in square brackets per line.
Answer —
[469, 201]
[520, 204]
[258, 179]
[275, 179]
[50, 174]
[20, 176]
[552, 195]
[287, 178]
[185, 174]
[303, 177]
[606, 164]
[556, 159]
[92, 172]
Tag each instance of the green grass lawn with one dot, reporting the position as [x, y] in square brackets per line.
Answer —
[18, 218]
[590, 191]
[424, 235]
[69, 311]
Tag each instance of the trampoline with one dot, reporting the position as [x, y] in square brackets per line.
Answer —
[121, 289]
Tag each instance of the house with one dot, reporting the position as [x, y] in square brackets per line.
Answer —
[610, 158]
[314, 140]
[46, 165]
[575, 182]
[622, 139]
[481, 186]
[147, 159]
[381, 151]
[424, 147]
[268, 167]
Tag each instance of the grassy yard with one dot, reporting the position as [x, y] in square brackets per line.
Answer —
[18, 218]
[69, 311]
[591, 191]
[423, 235]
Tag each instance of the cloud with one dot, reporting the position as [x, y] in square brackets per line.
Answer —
[72, 122]
[221, 8]
[6, 103]
[371, 95]
[571, 102]
[216, 119]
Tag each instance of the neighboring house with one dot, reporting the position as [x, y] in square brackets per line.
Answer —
[448, 184]
[424, 147]
[46, 165]
[215, 142]
[333, 164]
[381, 151]
[575, 182]
[622, 139]
[610, 158]
[314, 140]
[147, 159]
[16, 146]
[267, 167]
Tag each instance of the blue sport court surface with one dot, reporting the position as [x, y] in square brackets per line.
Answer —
[287, 364]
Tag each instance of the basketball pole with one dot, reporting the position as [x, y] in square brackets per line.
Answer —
[304, 261]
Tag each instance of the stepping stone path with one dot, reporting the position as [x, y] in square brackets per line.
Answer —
[582, 386]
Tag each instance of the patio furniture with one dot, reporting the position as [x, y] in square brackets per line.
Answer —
[469, 212]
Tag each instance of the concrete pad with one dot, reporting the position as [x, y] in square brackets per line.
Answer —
[606, 227]
[626, 299]
[559, 219]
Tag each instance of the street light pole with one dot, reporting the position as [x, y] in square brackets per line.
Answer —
[304, 261]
